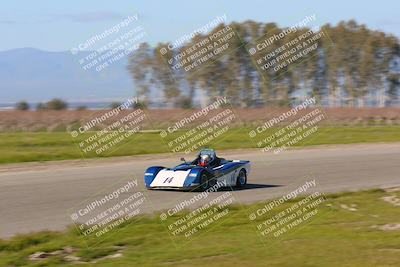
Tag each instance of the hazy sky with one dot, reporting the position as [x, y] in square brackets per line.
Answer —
[60, 25]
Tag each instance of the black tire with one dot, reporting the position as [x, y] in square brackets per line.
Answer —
[204, 182]
[241, 180]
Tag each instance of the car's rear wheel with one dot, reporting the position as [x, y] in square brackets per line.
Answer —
[241, 180]
[204, 182]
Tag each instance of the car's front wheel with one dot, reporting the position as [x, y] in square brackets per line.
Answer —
[241, 180]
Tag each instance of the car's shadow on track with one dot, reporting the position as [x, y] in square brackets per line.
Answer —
[224, 189]
[249, 187]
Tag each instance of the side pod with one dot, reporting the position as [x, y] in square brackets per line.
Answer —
[150, 174]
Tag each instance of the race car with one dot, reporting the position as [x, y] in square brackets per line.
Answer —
[200, 174]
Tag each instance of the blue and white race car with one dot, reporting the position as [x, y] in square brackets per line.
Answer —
[200, 174]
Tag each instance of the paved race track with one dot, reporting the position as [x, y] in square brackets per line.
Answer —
[38, 196]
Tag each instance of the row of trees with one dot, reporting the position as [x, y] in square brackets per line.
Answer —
[59, 104]
[54, 104]
[351, 66]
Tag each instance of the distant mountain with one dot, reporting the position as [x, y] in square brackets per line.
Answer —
[36, 75]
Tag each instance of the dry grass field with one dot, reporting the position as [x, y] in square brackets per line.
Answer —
[160, 118]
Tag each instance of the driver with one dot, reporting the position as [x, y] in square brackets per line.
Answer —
[204, 160]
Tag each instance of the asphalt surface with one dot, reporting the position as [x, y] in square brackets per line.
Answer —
[42, 196]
